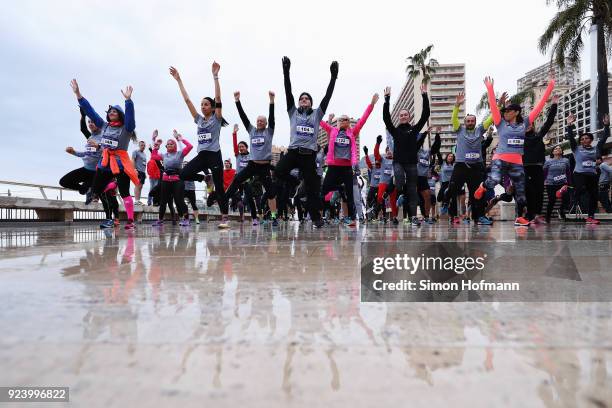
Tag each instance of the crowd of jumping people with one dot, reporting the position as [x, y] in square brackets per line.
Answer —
[325, 183]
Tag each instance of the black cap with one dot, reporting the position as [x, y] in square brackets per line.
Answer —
[513, 107]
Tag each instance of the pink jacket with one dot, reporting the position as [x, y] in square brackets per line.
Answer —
[351, 133]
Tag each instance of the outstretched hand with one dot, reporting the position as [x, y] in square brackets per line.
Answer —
[606, 119]
[154, 136]
[127, 94]
[365, 150]
[70, 150]
[177, 135]
[333, 68]
[286, 64]
[237, 96]
[387, 91]
[235, 128]
[488, 81]
[423, 88]
[378, 139]
[271, 94]
[503, 98]
[215, 68]
[75, 88]
[571, 118]
[375, 98]
[175, 74]
[460, 99]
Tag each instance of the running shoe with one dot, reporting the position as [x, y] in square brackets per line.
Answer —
[88, 196]
[130, 225]
[455, 220]
[274, 222]
[224, 224]
[415, 222]
[592, 221]
[319, 223]
[352, 224]
[158, 223]
[106, 224]
[466, 220]
[561, 191]
[197, 221]
[184, 222]
[480, 191]
[429, 221]
[138, 203]
[444, 210]
[116, 222]
[255, 222]
[521, 222]
[484, 221]
[395, 221]
[400, 201]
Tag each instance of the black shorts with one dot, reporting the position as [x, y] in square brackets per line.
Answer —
[142, 177]
[422, 183]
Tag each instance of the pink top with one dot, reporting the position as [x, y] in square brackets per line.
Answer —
[351, 133]
[156, 156]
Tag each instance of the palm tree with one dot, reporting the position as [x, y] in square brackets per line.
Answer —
[419, 64]
[564, 35]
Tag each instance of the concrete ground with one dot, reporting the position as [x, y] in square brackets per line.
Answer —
[248, 317]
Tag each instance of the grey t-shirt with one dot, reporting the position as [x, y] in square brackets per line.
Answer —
[342, 146]
[141, 160]
[469, 145]
[446, 172]
[173, 161]
[387, 170]
[189, 185]
[586, 159]
[261, 143]
[511, 137]
[242, 161]
[90, 154]
[557, 170]
[606, 173]
[208, 133]
[304, 128]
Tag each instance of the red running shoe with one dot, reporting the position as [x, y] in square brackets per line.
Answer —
[592, 221]
[480, 191]
[521, 222]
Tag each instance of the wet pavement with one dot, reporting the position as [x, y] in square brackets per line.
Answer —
[249, 317]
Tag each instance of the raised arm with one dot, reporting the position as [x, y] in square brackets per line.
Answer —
[550, 118]
[288, 94]
[377, 148]
[386, 112]
[488, 81]
[235, 140]
[362, 120]
[175, 74]
[455, 115]
[243, 116]
[83, 103]
[421, 138]
[606, 134]
[569, 134]
[327, 127]
[425, 112]
[179, 139]
[367, 158]
[130, 118]
[333, 68]
[271, 121]
[538, 108]
[218, 107]
[435, 147]
[84, 129]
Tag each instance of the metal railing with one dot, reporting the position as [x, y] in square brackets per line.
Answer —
[40, 187]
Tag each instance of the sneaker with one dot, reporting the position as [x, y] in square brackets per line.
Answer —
[480, 191]
[106, 224]
[429, 221]
[521, 222]
[274, 222]
[319, 223]
[484, 221]
[197, 221]
[116, 222]
[400, 201]
[444, 210]
[158, 223]
[561, 191]
[184, 222]
[395, 221]
[130, 225]
[138, 203]
[224, 224]
[88, 197]
[466, 220]
[407, 220]
[455, 221]
[415, 222]
[592, 221]
[255, 222]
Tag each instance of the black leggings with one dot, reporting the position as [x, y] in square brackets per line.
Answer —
[190, 195]
[253, 170]
[534, 189]
[109, 201]
[586, 182]
[473, 175]
[173, 190]
[336, 177]
[78, 179]
[442, 193]
[212, 161]
[552, 198]
[306, 162]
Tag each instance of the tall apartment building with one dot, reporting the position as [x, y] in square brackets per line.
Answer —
[578, 102]
[567, 77]
[445, 84]
[276, 152]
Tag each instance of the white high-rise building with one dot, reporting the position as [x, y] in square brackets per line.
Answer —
[445, 84]
[566, 77]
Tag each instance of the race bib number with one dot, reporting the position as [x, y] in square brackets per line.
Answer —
[424, 162]
[343, 141]
[472, 156]
[318, 165]
[558, 178]
[515, 142]
[588, 163]
[377, 176]
[388, 172]
[258, 141]
[90, 149]
[305, 130]
[110, 143]
[204, 137]
[243, 164]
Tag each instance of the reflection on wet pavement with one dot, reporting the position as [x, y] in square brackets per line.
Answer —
[259, 318]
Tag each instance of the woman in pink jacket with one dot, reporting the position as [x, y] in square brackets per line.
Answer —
[342, 155]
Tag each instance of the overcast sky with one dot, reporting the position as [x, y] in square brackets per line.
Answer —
[107, 45]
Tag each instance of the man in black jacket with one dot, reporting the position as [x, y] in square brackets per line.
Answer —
[405, 151]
